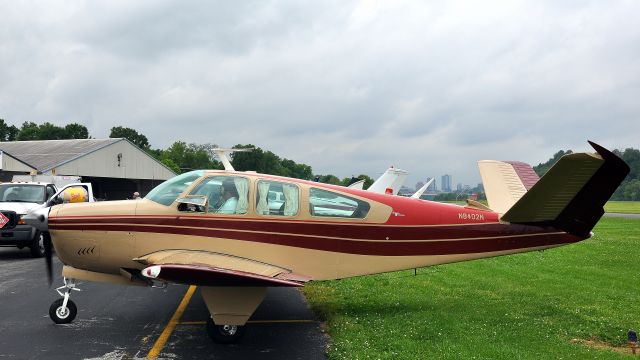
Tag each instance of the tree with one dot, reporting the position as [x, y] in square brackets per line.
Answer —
[542, 168]
[76, 131]
[171, 165]
[628, 189]
[138, 139]
[632, 158]
[29, 131]
[631, 190]
[329, 179]
[264, 162]
[49, 131]
[189, 157]
[367, 180]
[295, 170]
[8, 132]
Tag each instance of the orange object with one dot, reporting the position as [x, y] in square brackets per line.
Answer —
[75, 195]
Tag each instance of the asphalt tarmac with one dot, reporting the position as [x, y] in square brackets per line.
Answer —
[622, 215]
[125, 322]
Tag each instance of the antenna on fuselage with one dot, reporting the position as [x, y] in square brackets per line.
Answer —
[223, 155]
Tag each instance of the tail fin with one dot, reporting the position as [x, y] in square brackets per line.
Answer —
[505, 182]
[572, 194]
[391, 179]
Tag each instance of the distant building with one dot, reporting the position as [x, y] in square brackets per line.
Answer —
[115, 167]
[419, 184]
[445, 185]
[459, 187]
[405, 191]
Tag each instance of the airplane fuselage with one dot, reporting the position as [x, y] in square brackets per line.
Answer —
[396, 233]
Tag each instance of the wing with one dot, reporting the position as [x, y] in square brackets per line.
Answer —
[205, 268]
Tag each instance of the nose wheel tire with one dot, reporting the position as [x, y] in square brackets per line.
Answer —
[224, 334]
[61, 315]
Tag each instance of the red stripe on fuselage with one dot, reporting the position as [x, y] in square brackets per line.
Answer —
[342, 238]
[339, 230]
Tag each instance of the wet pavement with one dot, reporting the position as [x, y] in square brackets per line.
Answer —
[125, 322]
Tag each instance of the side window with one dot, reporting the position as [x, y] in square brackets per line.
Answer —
[277, 198]
[225, 194]
[328, 203]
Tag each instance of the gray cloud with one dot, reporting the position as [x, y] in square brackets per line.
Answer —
[347, 87]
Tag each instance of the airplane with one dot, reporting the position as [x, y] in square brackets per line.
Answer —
[184, 232]
[417, 194]
[389, 182]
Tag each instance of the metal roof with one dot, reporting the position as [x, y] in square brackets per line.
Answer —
[47, 154]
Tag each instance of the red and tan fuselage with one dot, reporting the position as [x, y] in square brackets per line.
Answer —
[397, 233]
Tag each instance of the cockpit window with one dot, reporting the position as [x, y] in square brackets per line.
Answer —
[22, 193]
[225, 194]
[328, 203]
[167, 192]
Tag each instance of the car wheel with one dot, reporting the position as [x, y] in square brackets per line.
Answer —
[37, 246]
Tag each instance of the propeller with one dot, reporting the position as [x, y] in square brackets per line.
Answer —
[48, 256]
[39, 218]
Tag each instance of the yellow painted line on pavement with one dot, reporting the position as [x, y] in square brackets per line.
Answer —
[255, 322]
[175, 320]
[279, 321]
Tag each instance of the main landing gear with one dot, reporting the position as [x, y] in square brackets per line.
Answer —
[224, 334]
[63, 311]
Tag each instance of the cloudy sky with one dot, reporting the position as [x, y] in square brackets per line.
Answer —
[347, 87]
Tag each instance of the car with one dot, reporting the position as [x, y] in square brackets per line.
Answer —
[18, 198]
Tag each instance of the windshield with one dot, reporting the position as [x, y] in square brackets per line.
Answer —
[22, 193]
[167, 192]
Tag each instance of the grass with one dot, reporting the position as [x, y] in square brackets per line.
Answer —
[628, 207]
[574, 302]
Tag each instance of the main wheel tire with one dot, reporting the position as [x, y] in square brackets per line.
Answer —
[37, 246]
[224, 334]
[62, 317]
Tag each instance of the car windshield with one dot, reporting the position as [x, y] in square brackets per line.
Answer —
[167, 192]
[22, 193]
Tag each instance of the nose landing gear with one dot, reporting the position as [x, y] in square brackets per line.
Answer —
[63, 311]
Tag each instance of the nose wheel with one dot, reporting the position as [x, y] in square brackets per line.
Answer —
[63, 311]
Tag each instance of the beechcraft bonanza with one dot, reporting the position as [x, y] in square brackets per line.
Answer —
[220, 230]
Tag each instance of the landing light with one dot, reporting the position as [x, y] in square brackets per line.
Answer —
[152, 271]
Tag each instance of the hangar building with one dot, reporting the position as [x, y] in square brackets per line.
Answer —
[115, 167]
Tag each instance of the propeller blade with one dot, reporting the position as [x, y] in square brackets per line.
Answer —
[48, 256]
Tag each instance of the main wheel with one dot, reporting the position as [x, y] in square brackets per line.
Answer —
[37, 246]
[62, 316]
[224, 334]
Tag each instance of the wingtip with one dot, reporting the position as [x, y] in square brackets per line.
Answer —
[608, 155]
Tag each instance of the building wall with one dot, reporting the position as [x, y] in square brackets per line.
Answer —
[133, 164]
[9, 163]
